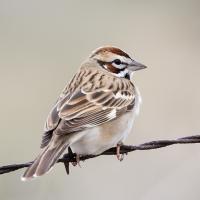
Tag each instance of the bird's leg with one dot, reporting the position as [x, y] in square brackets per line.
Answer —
[120, 157]
[72, 155]
[78, 160]
[66, 163]
[77, 157]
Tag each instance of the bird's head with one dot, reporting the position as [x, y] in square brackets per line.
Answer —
[116, 61]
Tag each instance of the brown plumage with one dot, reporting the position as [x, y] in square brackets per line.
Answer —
[89, 100]
[93, 98]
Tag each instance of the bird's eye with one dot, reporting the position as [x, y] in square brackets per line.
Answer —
[117, 62]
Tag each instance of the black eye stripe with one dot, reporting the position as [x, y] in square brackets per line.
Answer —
[122, 63]
[118, 62]
[103, 62]
[117, 70]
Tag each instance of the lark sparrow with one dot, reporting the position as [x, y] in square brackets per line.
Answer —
[94, 112]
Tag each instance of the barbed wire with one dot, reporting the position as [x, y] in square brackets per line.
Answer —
[70, 157]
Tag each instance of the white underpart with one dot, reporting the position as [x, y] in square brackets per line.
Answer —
[132, 115]
[138, 98]
[100, 138]
[138, 101]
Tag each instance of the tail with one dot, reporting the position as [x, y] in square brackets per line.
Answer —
[47, 158]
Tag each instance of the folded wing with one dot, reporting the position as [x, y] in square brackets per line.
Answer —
[85, 108]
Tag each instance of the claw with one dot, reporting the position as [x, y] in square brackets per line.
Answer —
[120, 157]
[77, 161]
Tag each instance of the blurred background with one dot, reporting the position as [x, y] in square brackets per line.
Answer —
[42, 44]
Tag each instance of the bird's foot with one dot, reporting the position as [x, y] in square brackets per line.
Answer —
[120, 157]
[77, 162]
[76, 156]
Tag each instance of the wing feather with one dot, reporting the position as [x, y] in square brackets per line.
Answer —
[82, 106]
[89, 109]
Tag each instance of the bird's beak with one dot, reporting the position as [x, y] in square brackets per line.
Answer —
[134, 66]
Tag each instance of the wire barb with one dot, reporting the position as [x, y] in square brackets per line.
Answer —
[124, 149]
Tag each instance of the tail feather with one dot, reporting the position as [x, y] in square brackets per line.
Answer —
[46, 159]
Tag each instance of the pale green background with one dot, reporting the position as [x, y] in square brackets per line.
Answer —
[43, 42]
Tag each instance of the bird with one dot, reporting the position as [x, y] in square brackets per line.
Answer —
[94, 112]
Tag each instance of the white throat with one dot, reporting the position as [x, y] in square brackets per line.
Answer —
[122, 74]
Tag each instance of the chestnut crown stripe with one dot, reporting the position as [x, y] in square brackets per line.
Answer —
[114, 50]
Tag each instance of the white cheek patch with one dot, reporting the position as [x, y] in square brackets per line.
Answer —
[138, 101]
[122, 74]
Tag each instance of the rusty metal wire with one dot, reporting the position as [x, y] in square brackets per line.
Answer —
[71, 157]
